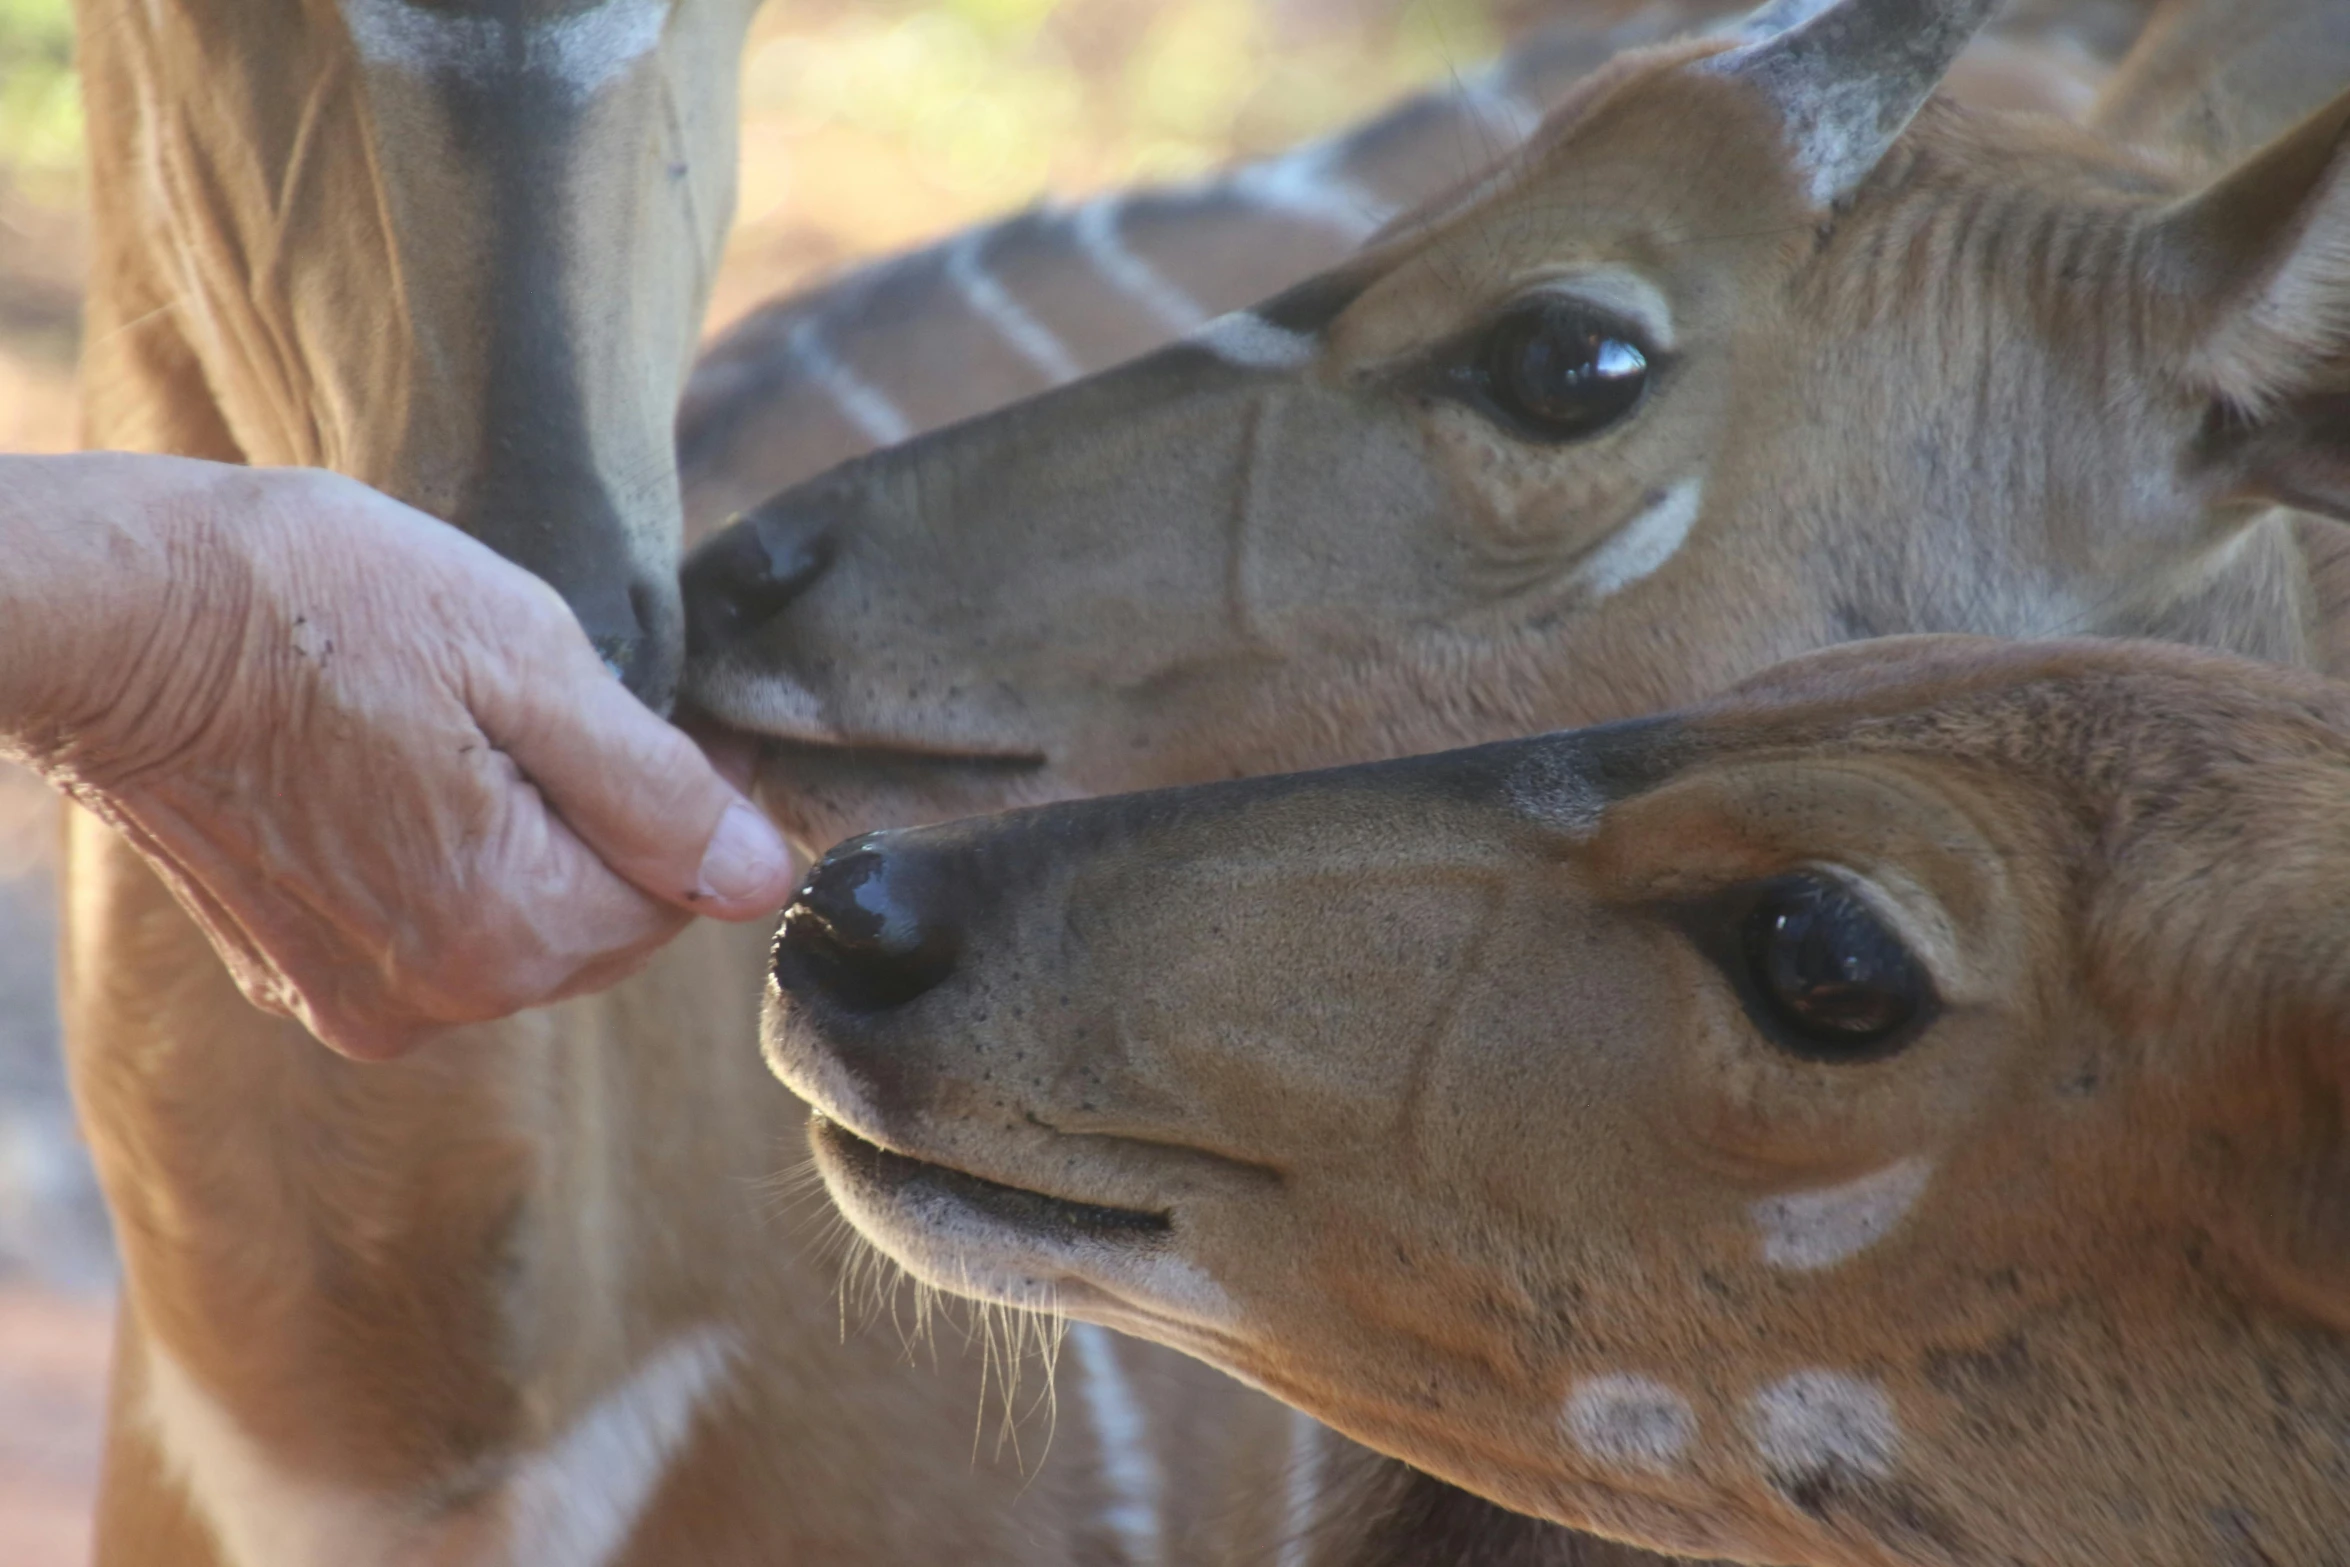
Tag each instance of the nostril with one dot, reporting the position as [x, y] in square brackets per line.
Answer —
[857, 934]
[752, 568]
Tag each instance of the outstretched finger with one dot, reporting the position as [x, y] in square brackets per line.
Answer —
[643, 796]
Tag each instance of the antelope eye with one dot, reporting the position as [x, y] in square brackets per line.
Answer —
[1829, 980]
[1560, 370]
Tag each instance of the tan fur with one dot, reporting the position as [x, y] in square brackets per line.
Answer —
[1427, 1068]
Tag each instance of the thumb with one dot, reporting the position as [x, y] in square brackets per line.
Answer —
[641, 794]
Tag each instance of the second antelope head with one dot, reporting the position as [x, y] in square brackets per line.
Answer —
[1744, 355]
[1893, 1115]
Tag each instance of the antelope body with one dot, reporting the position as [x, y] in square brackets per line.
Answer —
[1892, 1114]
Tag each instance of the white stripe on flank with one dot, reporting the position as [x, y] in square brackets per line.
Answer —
[1096, 227]
[577, 1503]
[1128, 1464]
[1305, 182]
[994, 304]
[584, 52]
[573, 1504]
[1248, 341]
[1645, 543]
[859, 401]
[1305, 1490]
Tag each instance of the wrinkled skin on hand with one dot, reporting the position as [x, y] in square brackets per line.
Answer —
[381, 766]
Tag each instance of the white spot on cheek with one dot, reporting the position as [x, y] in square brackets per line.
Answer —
[1816, 1422]
[1251, 342]
[1631, 1422]
[584, 52]
[1645, 543]
[1808, 1230]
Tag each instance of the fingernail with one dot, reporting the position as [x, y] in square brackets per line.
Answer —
[747, 857]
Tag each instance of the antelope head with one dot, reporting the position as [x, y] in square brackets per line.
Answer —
[1744, 355]
[457, 248]
[1893, 1114]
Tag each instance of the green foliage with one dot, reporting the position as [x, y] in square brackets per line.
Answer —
[40, 109]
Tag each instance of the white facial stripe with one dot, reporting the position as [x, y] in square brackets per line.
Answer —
[408, 37]
[989, 300]
[1625, 294]
[1248, 341]
[1557, 795]
[1821, 1422]
[858, 400]
[577, 1503]
[1096, 228]
[583, 53]
[1810, 1230]
[1645, 543]
[1305, 1489]
[1629, 1422]
[589, 51]
[1128, 1463]
[574, 1504]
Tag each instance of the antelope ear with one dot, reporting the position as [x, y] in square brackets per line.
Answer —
[1845, 76]
[2260, 260]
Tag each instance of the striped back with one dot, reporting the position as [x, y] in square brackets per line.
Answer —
[997, 313]
[993, 314]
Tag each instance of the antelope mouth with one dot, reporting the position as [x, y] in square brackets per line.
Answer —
[865, 1172]
[786, 751]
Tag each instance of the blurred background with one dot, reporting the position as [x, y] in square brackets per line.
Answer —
[868, 126]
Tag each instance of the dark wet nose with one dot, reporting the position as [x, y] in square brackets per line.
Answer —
[746, 573]
[870, 928]
[634, 630]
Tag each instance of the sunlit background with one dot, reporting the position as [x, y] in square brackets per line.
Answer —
[868, 126]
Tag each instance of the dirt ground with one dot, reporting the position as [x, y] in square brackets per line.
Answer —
[869, 125]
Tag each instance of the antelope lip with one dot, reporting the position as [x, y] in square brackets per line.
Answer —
[893, 753]
[903, 1180]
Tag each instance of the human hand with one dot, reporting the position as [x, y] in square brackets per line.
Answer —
[381, 766]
